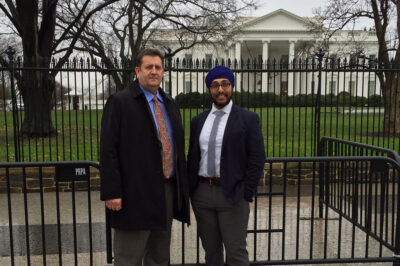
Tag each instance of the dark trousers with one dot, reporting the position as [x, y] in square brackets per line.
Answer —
[221, 224]
[145, 247]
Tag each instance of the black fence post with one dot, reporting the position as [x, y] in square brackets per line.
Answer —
[10, 53]
[397, 232]
[321, 178]
[109, 248]
[320, 56]
[168, 57]
[317, 126]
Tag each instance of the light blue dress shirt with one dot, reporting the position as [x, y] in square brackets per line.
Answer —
[149, 97]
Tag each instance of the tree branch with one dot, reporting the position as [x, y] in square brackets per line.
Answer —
[12, 15]
[80, 30]
[71, 24]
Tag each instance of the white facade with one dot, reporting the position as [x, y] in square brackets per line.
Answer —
[283, 36]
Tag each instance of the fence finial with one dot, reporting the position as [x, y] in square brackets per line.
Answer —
[320, 54]
[168, 56]
[10, 53]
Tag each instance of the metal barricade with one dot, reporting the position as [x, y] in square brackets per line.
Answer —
[47, 214]
[285, 228]
[360, 221]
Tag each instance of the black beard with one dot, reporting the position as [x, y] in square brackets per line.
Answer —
[221, 105]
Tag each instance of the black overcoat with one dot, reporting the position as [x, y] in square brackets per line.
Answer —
[131, 162]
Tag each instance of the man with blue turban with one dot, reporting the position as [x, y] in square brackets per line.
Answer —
[225, 163]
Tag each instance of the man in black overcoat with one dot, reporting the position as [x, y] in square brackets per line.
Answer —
[142, 166]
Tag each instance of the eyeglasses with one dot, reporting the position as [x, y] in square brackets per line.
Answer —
[216, 85]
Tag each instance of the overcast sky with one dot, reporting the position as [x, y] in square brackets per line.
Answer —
[303, 8]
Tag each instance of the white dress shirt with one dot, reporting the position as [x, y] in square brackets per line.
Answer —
[205, 136]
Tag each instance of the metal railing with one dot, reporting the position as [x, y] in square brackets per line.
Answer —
[360, 221]
[366, 194]
[55, 221]
[297, 103]
[329, 146]
[285, 227]
[341, 238]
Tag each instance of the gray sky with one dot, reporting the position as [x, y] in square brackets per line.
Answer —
[303, 8]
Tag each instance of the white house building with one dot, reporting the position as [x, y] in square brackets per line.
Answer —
[282, 36]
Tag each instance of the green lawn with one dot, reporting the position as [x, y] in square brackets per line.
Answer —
[287, 132]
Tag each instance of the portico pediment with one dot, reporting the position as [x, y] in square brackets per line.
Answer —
[279, 20]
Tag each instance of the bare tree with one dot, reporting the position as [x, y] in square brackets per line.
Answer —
[35, 23]
[339, 14]
[121, 30]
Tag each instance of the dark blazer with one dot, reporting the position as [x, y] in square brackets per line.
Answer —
[131, 162]
[242, 154]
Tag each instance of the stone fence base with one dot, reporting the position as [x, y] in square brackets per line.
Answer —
[306, 173]
[32, 174]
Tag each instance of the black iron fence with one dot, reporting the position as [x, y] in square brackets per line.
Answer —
[360, 221]
[329, 146]
[53, 223]
[297, 103]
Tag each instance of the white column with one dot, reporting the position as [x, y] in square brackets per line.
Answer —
[291, 87]
[291, 50]
[232, 57]
[238, 55]
[265, 57]
[238, 50]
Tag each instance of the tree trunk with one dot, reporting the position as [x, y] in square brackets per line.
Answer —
[127, 78]
[391, 94]
[38, 88]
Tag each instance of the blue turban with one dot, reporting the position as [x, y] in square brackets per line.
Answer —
[220, 72]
